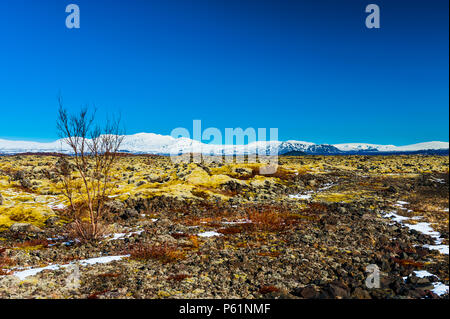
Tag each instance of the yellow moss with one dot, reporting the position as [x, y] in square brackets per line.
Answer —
[30, 248]
[338, 197]
[25, 213]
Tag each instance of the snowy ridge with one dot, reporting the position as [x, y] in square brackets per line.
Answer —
[392, 148]
[150, 143]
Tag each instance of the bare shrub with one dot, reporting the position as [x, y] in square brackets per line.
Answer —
[87, 177]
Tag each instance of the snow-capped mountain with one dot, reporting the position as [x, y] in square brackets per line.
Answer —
[149, 143]
[349, 147]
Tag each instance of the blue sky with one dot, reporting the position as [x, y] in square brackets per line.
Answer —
[310, 68]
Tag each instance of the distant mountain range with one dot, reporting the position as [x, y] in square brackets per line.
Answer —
[149, 143]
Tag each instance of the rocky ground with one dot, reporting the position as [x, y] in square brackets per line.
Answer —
[215, 230]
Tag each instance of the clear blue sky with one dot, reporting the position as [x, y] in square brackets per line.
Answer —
[310, 68]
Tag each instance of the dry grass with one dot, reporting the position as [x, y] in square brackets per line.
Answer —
[268, 289]
[34, 243]
[164, 253]
[266, 220]
[230, 230]
[5, 261]
[179, 235]
[408, 262]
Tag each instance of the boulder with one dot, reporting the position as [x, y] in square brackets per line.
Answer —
[19, 175]
[129, 213]
[24, 228]
[25, 183]
[154, 178]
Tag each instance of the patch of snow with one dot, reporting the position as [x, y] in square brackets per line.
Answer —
[242, 221]
[424, 228]
[443, 249]
[327, 186]
[422, 273]
[301, 196]
[397, 218]
[440, 288]
[101, 260]
[125, 235]
[209, 234]
[57, 206]
[438, 180]
[92, 261]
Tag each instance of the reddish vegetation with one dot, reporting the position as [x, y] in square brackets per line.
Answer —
[34, 242]
[230, 230]
[266, 220]
[408, 262]
[95, 295]
[268, 289]
[164, 253]
[179, 235]
[4, 262]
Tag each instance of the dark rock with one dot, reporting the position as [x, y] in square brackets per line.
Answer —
[312, 183]
[129, 213]
[392, 189]
[306, 292]
[19, 175]
[52, 221]
[360, 293]
[24, 228]
[335, 290]
[25, 183]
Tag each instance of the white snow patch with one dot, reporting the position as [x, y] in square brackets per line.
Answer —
[241, 221]
[209, 234]
[125, 235]
[443, 249]
[422, 273]
[424, 228]
[440, 288]
[98, 260]
[57, 206]
[397, 218]
[301, 196]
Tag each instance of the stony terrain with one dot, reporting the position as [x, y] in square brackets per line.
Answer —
[223, 230]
